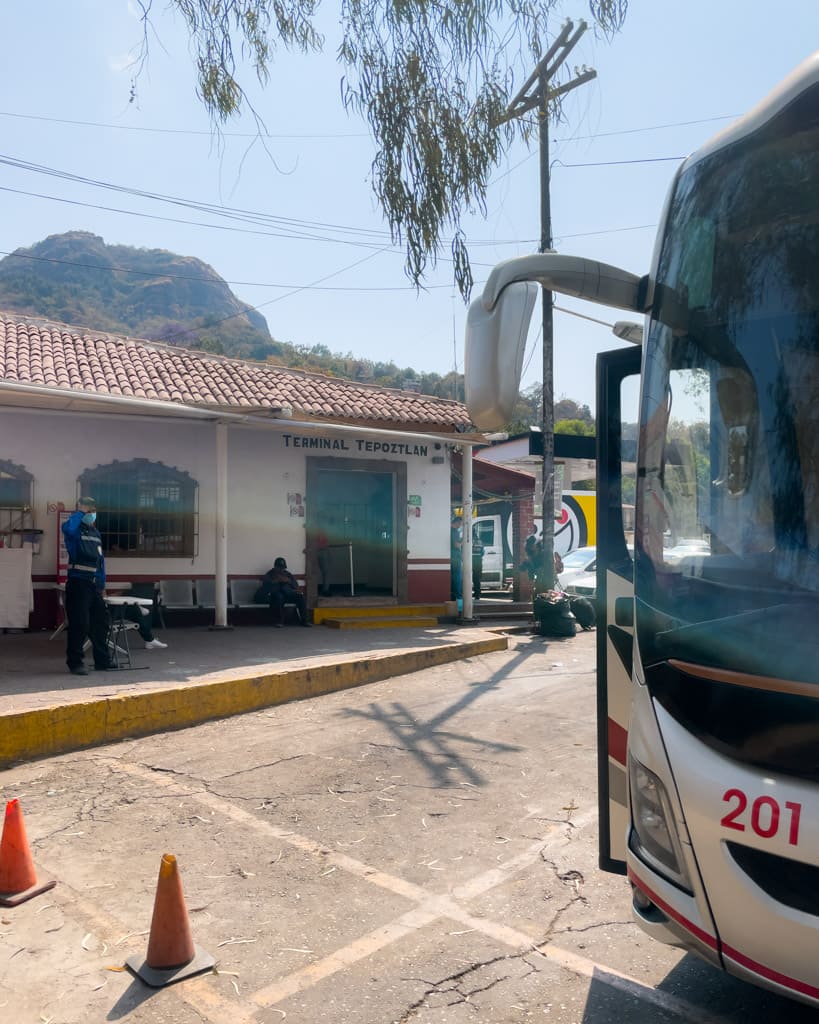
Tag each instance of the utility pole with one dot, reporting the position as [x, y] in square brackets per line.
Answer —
[537, 93]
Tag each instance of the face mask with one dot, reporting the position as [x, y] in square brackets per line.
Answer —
[89, 518]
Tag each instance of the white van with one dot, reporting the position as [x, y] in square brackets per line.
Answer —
[575, 528]
[489, 531]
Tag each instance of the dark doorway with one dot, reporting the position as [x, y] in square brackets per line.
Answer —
[353, 506]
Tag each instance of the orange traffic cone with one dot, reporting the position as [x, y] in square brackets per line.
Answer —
[171, 954]
[18, 879]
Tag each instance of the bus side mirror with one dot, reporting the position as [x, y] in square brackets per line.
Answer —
[569, 275]
[493, 358]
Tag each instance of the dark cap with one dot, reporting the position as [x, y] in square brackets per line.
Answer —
[280, 564]
[87, 502]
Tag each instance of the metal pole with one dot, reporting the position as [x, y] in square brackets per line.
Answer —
[545, 577]
[220, 563]
[466, 536]
[523, 102]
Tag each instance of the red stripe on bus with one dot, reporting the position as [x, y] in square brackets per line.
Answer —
[768, 972]
[747, 962]
[689, 926]
[618, 741]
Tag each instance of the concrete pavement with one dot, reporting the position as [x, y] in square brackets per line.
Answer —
[419, 851]
[202, 675]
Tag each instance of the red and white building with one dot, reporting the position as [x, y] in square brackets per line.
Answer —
[207, 468]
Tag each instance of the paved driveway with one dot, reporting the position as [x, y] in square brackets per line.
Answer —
[422, 849]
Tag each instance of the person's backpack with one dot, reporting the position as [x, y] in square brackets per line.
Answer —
[584, 611]
[263, 591]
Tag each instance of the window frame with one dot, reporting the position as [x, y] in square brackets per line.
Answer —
[122, 489]
[16, 517]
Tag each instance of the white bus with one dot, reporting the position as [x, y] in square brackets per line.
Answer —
[708, 664]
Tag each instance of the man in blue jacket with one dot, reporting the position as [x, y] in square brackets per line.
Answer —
[85, 608]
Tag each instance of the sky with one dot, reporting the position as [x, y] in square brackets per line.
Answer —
[674, 76]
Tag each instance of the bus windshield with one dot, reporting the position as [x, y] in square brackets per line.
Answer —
[727, 540]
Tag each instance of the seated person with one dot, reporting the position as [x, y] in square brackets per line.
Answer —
[280, 587]
[142, 615]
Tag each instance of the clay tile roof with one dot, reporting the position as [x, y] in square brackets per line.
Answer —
[61, 357]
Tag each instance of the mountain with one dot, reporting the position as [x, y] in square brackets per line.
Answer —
[146, 293]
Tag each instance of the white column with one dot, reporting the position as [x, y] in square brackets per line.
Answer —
[220, 564]
[466, 543]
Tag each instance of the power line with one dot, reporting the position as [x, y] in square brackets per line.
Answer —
[193, 223]
[270, 302]
[583, 316]
[616, 163]
[331, 135]
[203, 280]
[235, 213]
[183, 131]
[282, 234]
[289, 226]
[649, 128]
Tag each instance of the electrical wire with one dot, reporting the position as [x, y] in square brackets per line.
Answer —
[332, 135]
[206, 280]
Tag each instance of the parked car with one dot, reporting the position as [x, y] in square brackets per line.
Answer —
[579, 562]
[686, 549]
[579, 576]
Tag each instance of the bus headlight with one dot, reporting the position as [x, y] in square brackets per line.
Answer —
[654, 833]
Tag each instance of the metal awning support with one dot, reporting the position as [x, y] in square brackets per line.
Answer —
[221, 524]
[466, 539]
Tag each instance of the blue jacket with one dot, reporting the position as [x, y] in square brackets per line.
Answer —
[84, 545]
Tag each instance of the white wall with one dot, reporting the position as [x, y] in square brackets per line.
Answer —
[56, 449]
[428, 534]
[262, 469]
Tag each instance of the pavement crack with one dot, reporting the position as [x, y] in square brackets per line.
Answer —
[166, 771]
[571, 930]
[447, 985]
[259, 767]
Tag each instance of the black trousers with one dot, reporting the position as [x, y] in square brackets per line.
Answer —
[477, 576]
[279, 598]
[142, 617]
[87, 617]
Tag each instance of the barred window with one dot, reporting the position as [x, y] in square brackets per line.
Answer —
[15, 500]
[144, 509]
[15, 486]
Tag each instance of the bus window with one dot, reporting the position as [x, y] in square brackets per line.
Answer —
[728, 483]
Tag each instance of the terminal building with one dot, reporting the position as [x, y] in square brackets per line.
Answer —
[205, 469]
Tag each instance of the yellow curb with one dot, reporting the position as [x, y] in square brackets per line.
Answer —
[57, 729]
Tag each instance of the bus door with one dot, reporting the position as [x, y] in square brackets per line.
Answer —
[618, 375]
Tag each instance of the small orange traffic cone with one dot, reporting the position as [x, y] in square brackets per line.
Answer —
[171, 954]
[18, 879]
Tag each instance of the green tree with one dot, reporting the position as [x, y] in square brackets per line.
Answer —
[577, 427]
[432, 81]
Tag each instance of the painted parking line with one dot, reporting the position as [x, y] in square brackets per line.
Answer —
[431, 907]
[216, 1007]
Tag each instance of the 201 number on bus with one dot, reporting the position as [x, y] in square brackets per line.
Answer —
[765, 818]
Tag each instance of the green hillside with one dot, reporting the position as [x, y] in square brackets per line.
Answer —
[147, 293]
[77, 279]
